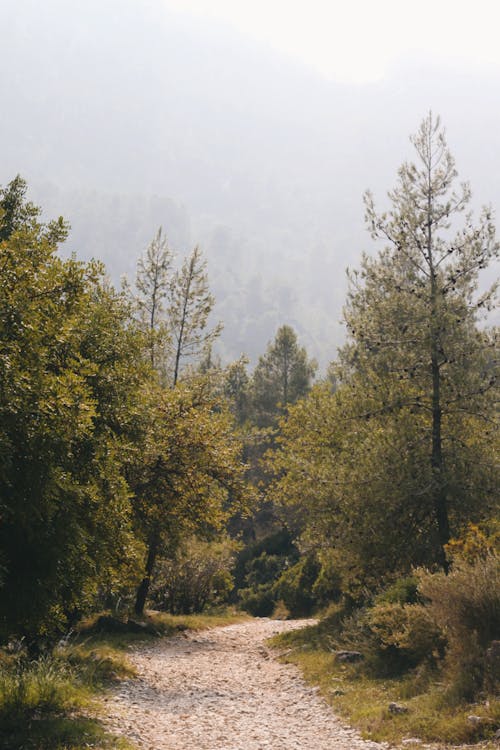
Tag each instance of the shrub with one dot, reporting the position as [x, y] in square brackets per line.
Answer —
[264, 569]
[197, 576]
[401, 636]
[327, 587]
[402, 591]
[465, 604]
[295, 586]
[46, 685]
[258, 601]
[280, 553]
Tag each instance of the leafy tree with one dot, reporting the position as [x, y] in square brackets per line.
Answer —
[18, 213]
[188, 477]
[412, 316]
[282, 375]
[69, 375]
[237, 389]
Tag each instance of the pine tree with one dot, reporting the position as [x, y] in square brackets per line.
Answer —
[282, 375]
[412, 313]
[153, 282]
[190, 306]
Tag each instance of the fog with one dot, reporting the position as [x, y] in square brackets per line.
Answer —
[123, 116]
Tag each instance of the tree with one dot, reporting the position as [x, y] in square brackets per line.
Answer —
[153, 284]
[70, 369]
[402, 453]
[190, 306]
[17, 213]
[282, 375]
[188, 477]
[414, 315]
[236, 387]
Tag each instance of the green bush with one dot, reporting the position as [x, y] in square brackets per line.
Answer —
[402, 591]
[327, 587]
[401, 636]
[465, 604]
[264, 569]
[258, 601]
[44, 686]
[198, 576]
[280, 552]
[295, 586]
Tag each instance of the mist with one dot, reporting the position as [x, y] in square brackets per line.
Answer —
[123, 116]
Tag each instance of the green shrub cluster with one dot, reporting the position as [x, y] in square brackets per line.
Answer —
[465, 604]
[43, 686]
[198, 576]
[299, 585]
[448, 622]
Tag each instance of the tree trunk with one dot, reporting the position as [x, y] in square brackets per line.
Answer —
[437, 463]
[438, 481]
[143, 590]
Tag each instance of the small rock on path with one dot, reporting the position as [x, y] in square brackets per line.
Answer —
[221, 689]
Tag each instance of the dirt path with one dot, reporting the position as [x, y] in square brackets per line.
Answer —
[222, 690]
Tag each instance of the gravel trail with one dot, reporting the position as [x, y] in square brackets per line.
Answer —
[221, 689]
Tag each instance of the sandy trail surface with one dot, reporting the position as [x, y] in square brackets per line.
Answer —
[222, 689]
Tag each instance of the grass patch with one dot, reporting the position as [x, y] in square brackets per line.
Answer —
[41, 704]
[170, 624]
[59, 733]
[364, 700]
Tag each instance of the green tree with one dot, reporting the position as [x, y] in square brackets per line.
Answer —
[18, 213]
[69, 373]
[188, 315]
[402, 451]
[153, 282]
[188, 478]
[236, 387]
[282, 375]
[413, 314]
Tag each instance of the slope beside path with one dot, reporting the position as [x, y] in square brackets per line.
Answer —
[222, 689]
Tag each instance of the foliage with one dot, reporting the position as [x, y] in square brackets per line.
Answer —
[69, 376]
[188, 475]
[45, 685]
[258, 567]
[259, 600]
[466, 606]
[402, 591]
[412, 315]
[295, 586]
[198, 575]
[401, 636]
[327, 587]
[153, 285]
[188, 315]
[386, 466]
[282, 375]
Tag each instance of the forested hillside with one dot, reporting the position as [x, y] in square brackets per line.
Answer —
[139, 473]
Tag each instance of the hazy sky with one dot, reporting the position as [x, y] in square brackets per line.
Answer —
[358, 40]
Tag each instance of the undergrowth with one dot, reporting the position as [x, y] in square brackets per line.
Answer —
[358, 694]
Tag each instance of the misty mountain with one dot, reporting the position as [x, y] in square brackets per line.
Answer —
[123, 116]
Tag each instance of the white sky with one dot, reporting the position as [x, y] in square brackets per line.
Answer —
[358, 40]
